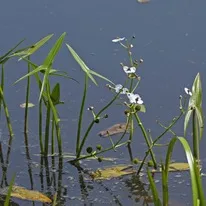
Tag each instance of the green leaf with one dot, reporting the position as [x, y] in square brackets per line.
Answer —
[49, 60]
[194, 172]
[39, 68]
[55, 95]
[32, 49]
[196, 98]
[81, 64]
[8, 195]
[155, 194]
[100, 76]
[200, 121]
[5, 57]
[187, 119]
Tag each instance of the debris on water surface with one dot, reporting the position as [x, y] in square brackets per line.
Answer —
[143, 1]
[29, 105]
[115, 129]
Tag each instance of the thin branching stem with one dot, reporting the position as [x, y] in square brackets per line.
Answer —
[146, 139]
[92, 123]
[175, 120]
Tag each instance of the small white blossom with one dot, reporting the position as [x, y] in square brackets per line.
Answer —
[129, 70]
[134, 98]
[119, 87]
[131, 46]
[187, 91]
[141, 61]
[118, 39]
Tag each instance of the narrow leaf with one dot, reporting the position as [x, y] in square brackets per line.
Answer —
[49, 60]
[155, 194]
[33, 48]
[187, 119]
[81, 64]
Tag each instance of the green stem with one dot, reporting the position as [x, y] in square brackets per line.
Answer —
[27, 101]
[158, 138]
[196, 151]
[146, 139]
[52, 138]
[91, 125]
[6, 113]
[56, 120]
[46, 141]
[100, 152]
[40, 127]
[78, 147]
[2, 82]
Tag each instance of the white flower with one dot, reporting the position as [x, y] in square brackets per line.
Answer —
[129, 70]
[134, 98]
[118, 39]
[119, 87]
[187, 91]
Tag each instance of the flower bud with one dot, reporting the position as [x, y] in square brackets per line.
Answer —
[89, 150]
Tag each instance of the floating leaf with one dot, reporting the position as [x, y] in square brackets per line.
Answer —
[25, 194]
[112, 172]
[73, 156]
[29, 105]
[176, 167]
[143, 1]
[115, 129]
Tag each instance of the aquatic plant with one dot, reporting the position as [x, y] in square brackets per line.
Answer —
[133, 107]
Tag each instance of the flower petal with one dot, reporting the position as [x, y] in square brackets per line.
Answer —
[118, 39]
[187, 91]
[129, 70]
[119, 87]
[134, 98]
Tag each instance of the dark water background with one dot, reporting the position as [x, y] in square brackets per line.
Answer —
[170, 37]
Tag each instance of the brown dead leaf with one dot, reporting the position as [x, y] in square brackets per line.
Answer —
[115, 129]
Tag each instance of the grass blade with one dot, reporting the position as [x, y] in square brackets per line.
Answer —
[6, 203]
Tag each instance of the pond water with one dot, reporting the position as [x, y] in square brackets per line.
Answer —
[170, 37]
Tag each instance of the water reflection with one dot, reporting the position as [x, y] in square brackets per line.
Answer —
[138, 190]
